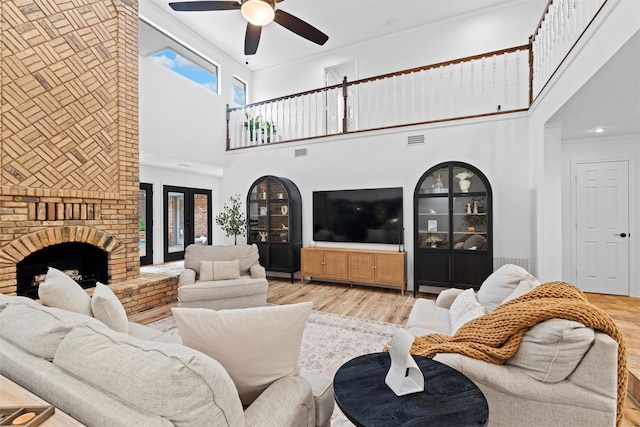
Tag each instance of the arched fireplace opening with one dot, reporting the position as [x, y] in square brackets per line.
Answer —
[83, 262]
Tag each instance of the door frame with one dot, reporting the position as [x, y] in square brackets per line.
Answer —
[148, 257]
[189, 194]
[573, 217]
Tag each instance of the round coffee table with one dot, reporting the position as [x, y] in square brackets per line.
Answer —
[449, 398]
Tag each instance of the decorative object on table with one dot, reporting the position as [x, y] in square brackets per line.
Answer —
[475, 206]
[312, 243]
[284, 235]
[284, 209]
[263, 236]
[468, 208]
[404, 376]
[231, 219]
[280, 196]
[432, 225]
[432, 211]
[263, 210]
[462, 178]
[262, 195]
[437, 184]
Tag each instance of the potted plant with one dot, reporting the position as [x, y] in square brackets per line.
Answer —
[232, 219]
[251, 124]
[433, 240]
[269, 129]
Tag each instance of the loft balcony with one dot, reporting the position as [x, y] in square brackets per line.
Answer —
[491, 83]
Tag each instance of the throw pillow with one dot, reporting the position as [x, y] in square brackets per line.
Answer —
[108, 309]
[206, 271]
[225, 270]
[500, 284]
[551, 350]
[463, 309]
[523, 287]
[61, 291]
[256, 345]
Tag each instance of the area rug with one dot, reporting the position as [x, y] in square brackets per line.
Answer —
[329, 340]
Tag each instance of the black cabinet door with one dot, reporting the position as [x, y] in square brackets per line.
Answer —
[453, 237]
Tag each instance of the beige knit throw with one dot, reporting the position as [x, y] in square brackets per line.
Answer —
[495, 337]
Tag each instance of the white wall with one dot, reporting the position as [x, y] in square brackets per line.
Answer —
[611, 30]
[502, 28]
[384, 160]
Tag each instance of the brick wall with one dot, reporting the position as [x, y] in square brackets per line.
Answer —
[69, 131]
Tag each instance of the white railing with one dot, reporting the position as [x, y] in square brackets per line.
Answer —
[562, 24]
[492, 83]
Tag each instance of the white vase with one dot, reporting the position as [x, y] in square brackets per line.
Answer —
[464, 185]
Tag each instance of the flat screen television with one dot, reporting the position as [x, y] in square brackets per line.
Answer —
[360, 216]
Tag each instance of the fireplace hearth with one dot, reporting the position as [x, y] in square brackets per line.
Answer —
[84, 263]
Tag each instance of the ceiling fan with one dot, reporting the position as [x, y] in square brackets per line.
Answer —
[257, 13]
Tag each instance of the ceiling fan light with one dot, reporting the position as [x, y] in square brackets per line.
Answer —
[257, 12]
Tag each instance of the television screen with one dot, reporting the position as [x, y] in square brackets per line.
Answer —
[362, 216]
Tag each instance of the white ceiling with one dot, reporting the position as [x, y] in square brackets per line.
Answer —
[346, 22]
[611, 99]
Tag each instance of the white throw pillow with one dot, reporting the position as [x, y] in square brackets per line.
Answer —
[256, 345]
[206, 271]
[463, 309]
[61, 291]
[108, 309]
[225, 270]
[500, 284]
[523, 287]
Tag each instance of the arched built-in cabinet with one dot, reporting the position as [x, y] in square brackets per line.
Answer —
[453, 238]
[274, 223]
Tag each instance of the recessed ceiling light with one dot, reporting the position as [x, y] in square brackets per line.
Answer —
[598, 130]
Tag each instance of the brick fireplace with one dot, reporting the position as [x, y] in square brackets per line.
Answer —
[69, 132]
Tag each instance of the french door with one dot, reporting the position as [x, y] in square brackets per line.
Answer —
[187, 219]
[145, 223]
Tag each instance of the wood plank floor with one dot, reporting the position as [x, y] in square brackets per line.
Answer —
[387, 305]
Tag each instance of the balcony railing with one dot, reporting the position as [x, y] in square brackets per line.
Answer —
[498, 82]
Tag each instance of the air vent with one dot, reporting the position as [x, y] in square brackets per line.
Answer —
[415, 140]
[300, 152]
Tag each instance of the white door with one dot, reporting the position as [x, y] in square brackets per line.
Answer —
[602, 227]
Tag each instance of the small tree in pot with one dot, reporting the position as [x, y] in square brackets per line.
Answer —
[232, 219]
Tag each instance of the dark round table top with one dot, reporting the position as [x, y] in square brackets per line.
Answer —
[449, 398]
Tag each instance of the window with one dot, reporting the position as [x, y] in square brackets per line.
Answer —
[167, 51]
[239, 92]
[175, 62]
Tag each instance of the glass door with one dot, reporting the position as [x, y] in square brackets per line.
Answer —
[187, 220]
[145, 223]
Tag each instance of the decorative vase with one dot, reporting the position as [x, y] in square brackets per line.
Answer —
[434, 245]
[464, 185]
[284, 209]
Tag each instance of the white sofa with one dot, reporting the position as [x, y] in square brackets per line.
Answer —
[563, 374]
[82, 355]
[223, 284]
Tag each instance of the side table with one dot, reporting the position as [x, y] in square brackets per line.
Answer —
[449, 398]
[14, 395]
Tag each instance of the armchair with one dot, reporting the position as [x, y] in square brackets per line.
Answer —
[221, 277]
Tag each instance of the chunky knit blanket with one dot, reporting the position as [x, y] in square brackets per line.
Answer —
[495, 337]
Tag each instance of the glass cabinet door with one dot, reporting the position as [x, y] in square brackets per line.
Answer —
[452, 203]
[257, 217]
[279, 210]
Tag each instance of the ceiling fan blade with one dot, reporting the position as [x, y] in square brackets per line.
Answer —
[203, 6]
[251, 39]
[300, 27]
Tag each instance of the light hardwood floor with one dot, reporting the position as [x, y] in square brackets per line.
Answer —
[387, 305]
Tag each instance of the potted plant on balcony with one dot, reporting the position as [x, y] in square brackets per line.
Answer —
[231, 219]
[251, 124]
